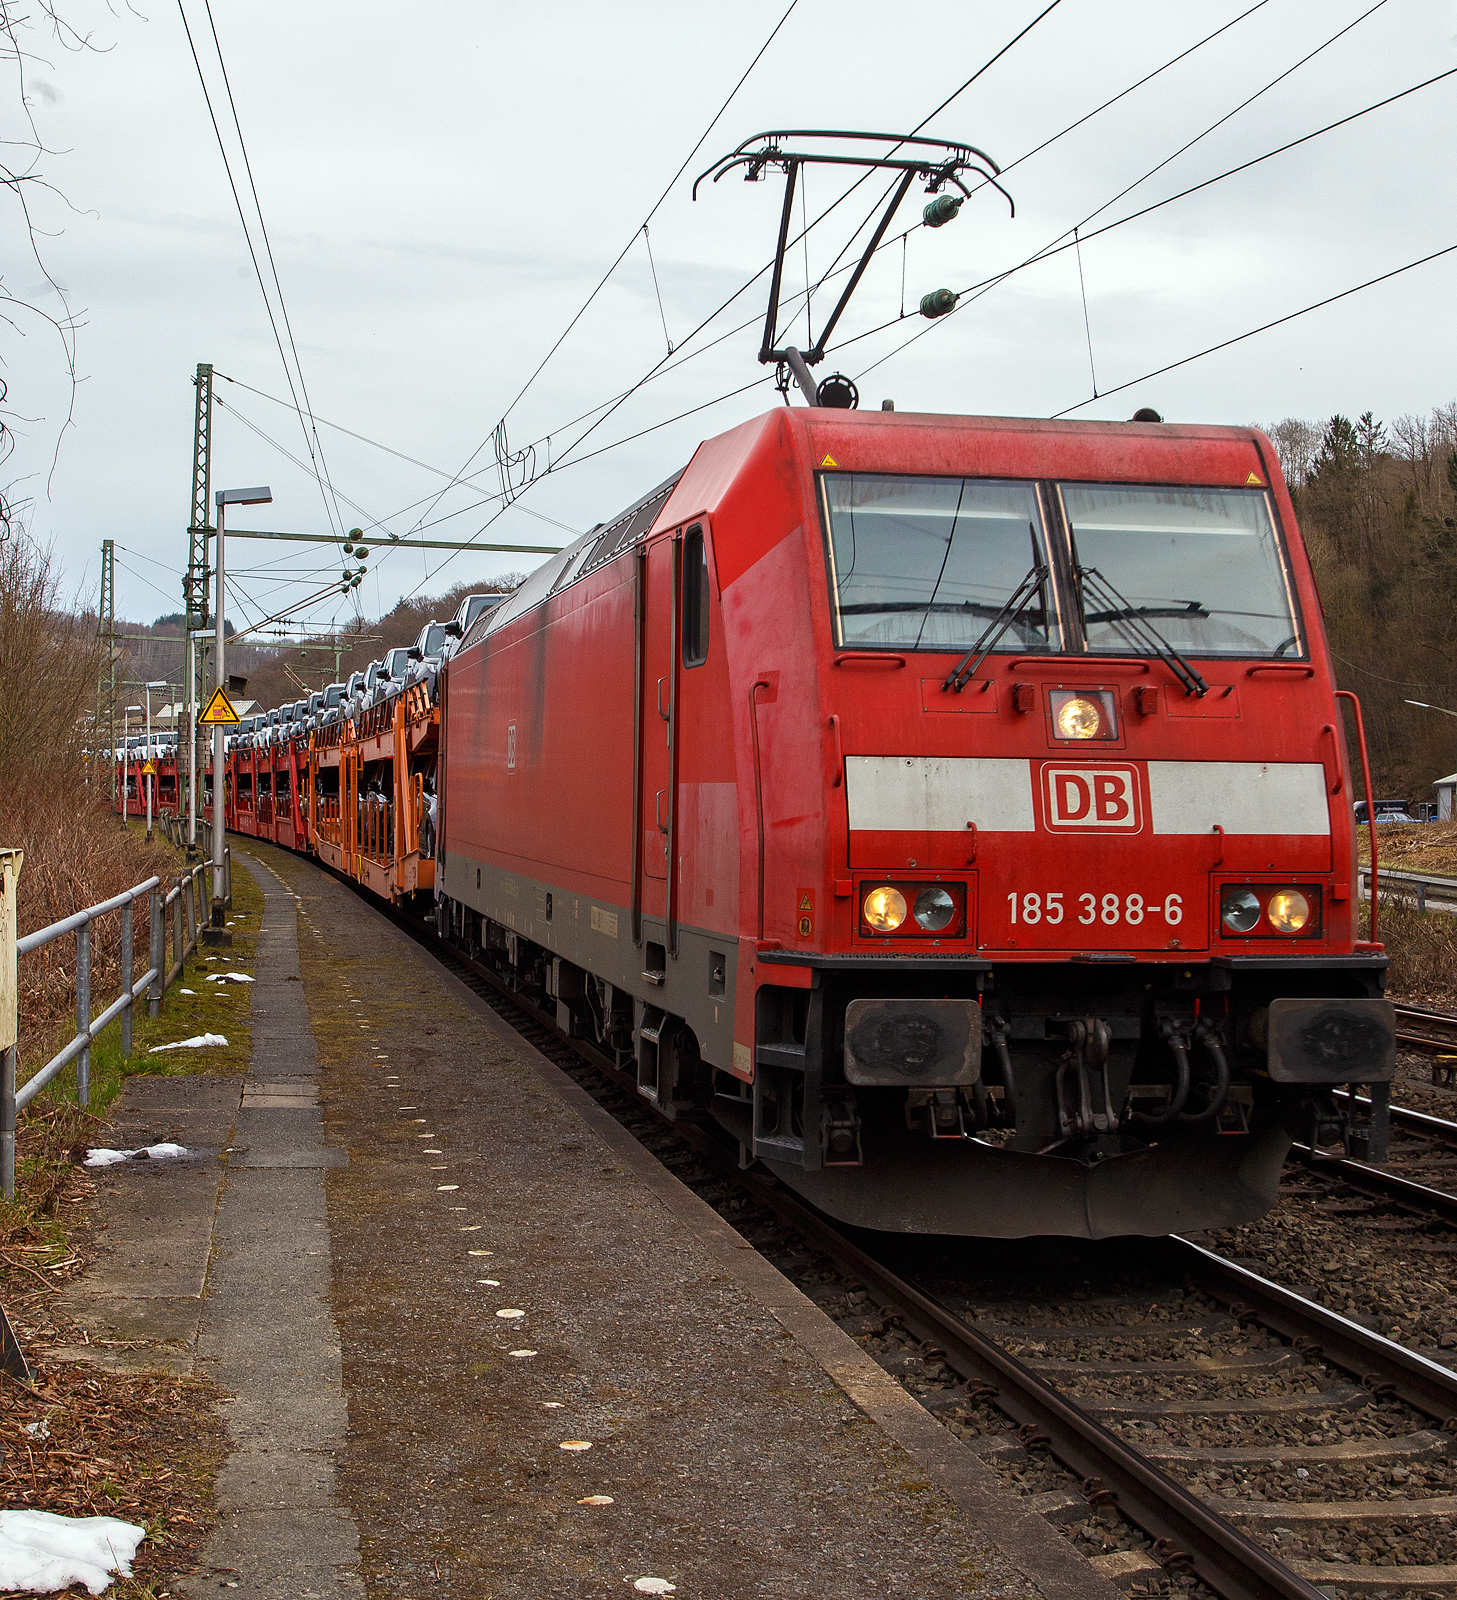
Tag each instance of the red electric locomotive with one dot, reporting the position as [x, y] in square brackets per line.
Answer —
[955, 809]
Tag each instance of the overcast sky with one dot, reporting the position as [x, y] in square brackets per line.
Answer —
[445, 183]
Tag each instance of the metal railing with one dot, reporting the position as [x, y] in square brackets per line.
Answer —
[189, 907]
[1413, 885]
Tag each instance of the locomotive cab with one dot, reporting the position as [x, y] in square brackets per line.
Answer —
[1084, 953]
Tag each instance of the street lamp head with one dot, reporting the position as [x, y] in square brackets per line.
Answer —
[161, 683]
[244, 497]
[134, 708]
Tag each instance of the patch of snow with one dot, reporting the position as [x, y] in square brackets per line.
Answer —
[510, 1314]
[655, 1586]
[109, 1158]
[577, 1445]
[228, 977]
[189, 991]
[39, 1430]
[41, 1552]
[596, 1500]
[199, 1041]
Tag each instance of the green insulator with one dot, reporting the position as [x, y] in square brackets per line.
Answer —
[939, 303]
[346, 575]
[356, 533]
[348, 549]
[362, 571]
[362, 553]
[941, 210]
[354, 583]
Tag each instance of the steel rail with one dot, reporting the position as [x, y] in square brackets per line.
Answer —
[1385, 1185]
[1420, 1383]
[1440, 1026]
[1181, 1523]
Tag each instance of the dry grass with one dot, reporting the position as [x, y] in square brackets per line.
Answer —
[76, 854]
[1420, 847]
[1423, 950]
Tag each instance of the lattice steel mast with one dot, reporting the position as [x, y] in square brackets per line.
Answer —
[197, 577]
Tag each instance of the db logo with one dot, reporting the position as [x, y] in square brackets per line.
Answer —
[1091, 797]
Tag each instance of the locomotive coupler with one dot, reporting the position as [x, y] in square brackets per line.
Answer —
[840, 1129]
[1086, 1057]
[943, 1113]
[1370, 1140]
[1322, 1123]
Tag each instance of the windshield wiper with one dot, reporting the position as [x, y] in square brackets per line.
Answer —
[1017, 602]
[1135, 628]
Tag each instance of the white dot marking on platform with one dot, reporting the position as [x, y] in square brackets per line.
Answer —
[575, 1444]
[510, 1313]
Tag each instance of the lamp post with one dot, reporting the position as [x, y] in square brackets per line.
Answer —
[160, 684]
[224, 497]
[126, 757]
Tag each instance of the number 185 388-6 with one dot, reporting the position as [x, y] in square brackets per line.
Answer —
[1110, 908]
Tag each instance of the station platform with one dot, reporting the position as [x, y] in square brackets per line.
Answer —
[479, 1342]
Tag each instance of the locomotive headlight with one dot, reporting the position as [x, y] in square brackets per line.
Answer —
[1239, 910]
[1288, 911]
[1079, 719]
[934, 910]
[885, 909]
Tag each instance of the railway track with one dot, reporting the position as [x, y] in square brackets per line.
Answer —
[1433, 1034]
[1115, 1411]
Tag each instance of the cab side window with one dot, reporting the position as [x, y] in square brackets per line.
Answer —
[695, 598]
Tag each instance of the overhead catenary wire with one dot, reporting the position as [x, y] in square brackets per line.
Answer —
[390, 450]
[1264, 327]
[975, 291]
[608, 407]
[498, 431]
[268, 248]
[995, 57]
[329, 512]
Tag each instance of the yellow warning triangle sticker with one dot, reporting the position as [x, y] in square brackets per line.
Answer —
[219, 712]
[1255, 478]
[829, 461]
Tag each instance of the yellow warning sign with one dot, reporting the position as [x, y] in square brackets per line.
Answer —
[219, 712]
[805, 921]
[149, 770]
[1256, 479]
[829, 461]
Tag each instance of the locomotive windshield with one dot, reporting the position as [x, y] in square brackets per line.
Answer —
[927, 562]
[1201, 564]
[934, 563]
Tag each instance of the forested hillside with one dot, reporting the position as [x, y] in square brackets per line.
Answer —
[1378, 507]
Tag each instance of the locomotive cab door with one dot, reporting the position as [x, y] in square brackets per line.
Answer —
[655, 717]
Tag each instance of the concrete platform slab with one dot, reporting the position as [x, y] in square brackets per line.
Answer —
[514, 1274]
[153, 1224]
